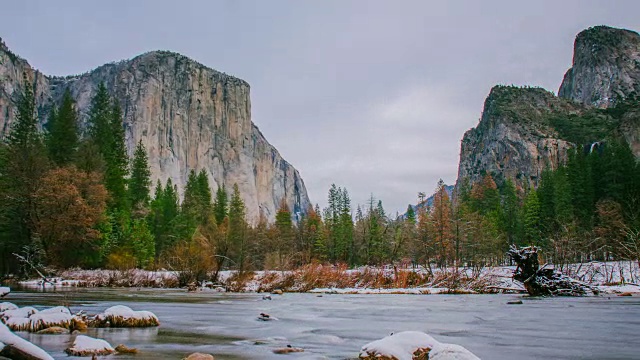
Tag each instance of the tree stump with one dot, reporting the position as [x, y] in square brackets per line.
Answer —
[542, 281]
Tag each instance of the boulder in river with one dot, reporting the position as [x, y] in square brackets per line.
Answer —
[16, 348]
[124, 316]
[88, 346]
[413, 345]
[199, 356]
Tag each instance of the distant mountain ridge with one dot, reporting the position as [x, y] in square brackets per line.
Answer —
[187, 115]
[524, 130]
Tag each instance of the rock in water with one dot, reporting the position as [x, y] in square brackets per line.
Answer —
[288, 350]
[199, 356]
[53, 330]
[187, 115]
[86, 346]
[17, 348]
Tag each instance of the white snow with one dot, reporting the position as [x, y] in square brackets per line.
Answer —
[618, 289]
[126, 313]
[7, 306]
[10, 339]
[56, 309]
[30, 319]
[23, 312]
[401, 345]
[87, 344]
[44, 320]
[4, 291]
[450, 352]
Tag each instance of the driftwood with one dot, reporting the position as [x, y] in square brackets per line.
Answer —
[543, 281]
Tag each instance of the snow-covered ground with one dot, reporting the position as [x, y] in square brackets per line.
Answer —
[609, 277]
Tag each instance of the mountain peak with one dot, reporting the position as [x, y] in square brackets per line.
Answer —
[606, 67]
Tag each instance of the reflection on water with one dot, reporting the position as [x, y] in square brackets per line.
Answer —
[336, 326]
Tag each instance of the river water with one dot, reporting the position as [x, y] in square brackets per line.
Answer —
[336, 326]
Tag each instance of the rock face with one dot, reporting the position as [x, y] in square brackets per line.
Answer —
[606, 67]
[513, 139]
[516, 138]
[187, 115]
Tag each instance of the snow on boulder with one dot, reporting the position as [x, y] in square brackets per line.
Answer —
[7, 306]
[413, 345]
[44, 320]
[30, 319]
[18, 348]
[23, 312]
[123, 316]
[4, 291]
[87, 346]
[451, 352]
[400, 346]
[18, 319]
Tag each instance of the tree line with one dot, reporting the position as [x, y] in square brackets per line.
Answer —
[72, 199]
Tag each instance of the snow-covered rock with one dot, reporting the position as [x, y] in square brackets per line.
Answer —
[451, 352]
[18, 348]
[124, 316]
[7, 306]
[399, 346]
[409, 345]
[86, 346]
[4, 291]
[23, 312]
[30, 319]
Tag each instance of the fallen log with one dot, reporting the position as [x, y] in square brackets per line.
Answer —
[542, 281]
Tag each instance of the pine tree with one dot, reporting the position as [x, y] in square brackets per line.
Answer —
[510, 212]
[23, 163]
[107, 134]
[140, 178]
[204, 193]
[237, 227]
[100, 115]
[117, 161]
[284, 227]
[63, 137]
[220, 205]
[411, 215]
[532, 220]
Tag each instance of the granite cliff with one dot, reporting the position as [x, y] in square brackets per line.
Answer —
[187, 115]
[524, 130]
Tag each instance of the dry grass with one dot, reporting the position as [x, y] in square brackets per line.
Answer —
[121, 322]
[419, 354]
[73, 352]
[238, 281]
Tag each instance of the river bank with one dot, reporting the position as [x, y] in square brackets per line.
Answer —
[611, 277]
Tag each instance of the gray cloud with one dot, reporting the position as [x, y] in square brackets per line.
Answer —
[371, 95]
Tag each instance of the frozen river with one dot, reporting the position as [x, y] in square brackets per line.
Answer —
[336, 326]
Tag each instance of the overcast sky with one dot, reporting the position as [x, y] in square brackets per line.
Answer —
[373, 96]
